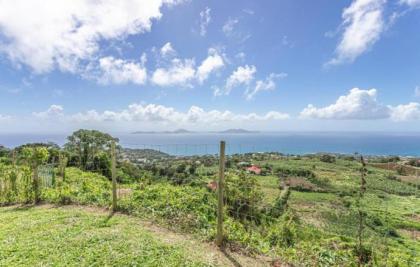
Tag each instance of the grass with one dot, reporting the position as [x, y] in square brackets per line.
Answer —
[69, 237]
[75, 236]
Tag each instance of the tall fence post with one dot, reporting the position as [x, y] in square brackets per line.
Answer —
[35, 182]
[62, 163]
[114, 178]
[220, 188]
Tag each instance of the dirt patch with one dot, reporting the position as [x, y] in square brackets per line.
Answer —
[413, 180]
[124, 192]
[392, 166]
[301, 184]
[413, 234]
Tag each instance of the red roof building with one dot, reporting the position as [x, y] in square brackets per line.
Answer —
[254, 169]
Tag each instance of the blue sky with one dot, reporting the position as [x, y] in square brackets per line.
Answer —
[207, 65]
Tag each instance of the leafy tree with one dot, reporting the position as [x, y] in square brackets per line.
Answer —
[192, 169]
[181, 168]
[52, 148]
[4, 151]
[86, 144]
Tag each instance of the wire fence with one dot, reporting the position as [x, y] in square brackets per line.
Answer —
[265, 194]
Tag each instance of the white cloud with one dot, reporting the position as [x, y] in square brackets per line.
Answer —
[54, 111]
[410, 111]
[167, 50]
[180, 72]
[268, 84]
[160, 113]
[243, 75]
[205, 19]
[120, 71]
[411, 3]
[363, 24]
[357, 105]
[212, 63]
[49, 34]
[229, 25]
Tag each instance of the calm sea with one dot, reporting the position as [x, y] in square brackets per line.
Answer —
[404, 144]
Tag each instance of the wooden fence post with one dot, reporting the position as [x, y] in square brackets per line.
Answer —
[62, 163]
[220, 188]
[35, 182]
[114, 178]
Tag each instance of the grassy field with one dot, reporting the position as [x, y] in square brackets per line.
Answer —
[76, 236]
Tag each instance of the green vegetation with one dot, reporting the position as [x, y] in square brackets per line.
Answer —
[49, 236]
[313, 210]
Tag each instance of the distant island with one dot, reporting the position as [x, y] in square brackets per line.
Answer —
[178, 131]
[184, 131]
[237, 131]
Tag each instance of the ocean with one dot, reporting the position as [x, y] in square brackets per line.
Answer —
[402, 144]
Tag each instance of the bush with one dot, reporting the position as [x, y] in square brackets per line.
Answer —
[288, 171]
[327, 158]
[284, 233]
[184, 207]
[243, 197]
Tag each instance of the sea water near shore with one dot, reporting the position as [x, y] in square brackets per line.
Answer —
[402, 144]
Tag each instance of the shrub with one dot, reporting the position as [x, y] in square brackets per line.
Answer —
[243, 196]
[327, 158]
[288, 171]
[284, 233]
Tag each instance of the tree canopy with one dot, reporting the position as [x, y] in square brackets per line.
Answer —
[86, 144]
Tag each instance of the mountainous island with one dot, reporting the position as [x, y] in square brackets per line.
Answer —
[184, 131]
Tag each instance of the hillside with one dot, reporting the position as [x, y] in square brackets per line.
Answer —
[303, 210]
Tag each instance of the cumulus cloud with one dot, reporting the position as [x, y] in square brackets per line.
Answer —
[243, 75]
[54, 111]
[212, 63]
[49, 34]
[120, 71]
[205, 19]
[410, 111]
[268, 84]
[160, 113]
[363, 24]
[183, 72]
[180, 72]
[357, 105]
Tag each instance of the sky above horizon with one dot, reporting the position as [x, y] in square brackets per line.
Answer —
[138, 65]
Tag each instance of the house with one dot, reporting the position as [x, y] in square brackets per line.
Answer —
[254, 169]
[212, 185]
